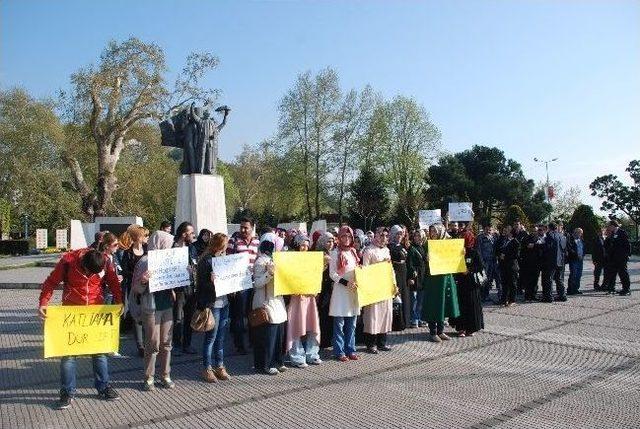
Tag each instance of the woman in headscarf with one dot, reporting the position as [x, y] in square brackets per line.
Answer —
[440, 294]
[268, 338]
[303, 325]
[399, 252]
[344, 300]
[471, 318]
[377, 317]
[325, 244]
[416, 270]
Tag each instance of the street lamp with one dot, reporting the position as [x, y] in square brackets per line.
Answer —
[546, 167]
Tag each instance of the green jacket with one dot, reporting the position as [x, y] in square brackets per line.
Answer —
[440, 297]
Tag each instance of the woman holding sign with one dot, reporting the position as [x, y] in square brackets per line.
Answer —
[157, 316]
[378, 317]
[440, 294]
[268, 337]
[213, 343]
[344, 301]
[303, 327]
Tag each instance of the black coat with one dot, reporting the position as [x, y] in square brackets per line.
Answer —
[508, 255]
[619, 248]
[598, 253]
[205, 292]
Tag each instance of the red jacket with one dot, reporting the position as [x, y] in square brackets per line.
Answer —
[79, 289]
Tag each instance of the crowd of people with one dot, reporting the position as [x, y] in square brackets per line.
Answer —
[293, 329]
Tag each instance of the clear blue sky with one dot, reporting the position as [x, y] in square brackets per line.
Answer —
[554, 78]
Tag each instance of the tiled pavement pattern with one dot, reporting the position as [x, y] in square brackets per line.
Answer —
[561, 365]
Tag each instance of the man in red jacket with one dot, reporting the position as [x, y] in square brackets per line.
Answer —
[82, 271]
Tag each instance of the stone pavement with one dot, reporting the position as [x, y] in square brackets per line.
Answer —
[562, 365]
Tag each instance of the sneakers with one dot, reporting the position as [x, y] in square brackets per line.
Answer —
[413, 325]
[221, 373]
[109, 394]
[423, 324]
[444, 337]
[167, 383]
[384, 348]
[209, 375]
[301, 365]
[272, 371]
[282, 368]
[317, 361]
[372, 350]
[149, 385]
[434, 338]
[64, 402]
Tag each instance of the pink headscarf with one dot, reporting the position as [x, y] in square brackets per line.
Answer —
[342, 250]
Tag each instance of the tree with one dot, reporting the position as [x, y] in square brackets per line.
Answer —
[369, 201]
[107, 101]
[583, 217]
[566, 201]
[308, 115]
[619, 197]
[515, 213]
[485, 177]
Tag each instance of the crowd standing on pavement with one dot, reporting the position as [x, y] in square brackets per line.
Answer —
[294, 329]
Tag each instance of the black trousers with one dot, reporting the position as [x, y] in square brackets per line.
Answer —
[529, 274]
[597, 272]
[509, 278]
[371, 340]
[613, 270]
[267, 346]
[183, 309]
[550, 275]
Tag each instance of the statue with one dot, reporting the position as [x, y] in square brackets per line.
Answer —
[196, 133]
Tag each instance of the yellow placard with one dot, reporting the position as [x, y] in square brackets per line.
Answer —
[298, 273]
[74, 330]
[375, 283]
[446, 256]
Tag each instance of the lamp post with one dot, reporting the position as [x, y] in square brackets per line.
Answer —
[546, 167]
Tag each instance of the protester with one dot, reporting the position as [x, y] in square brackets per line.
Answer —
[303, 324]
[97, 240]
[213, 343]
[471, 319]
[130, 257]
[553, 260]
[598, 259]
[268, 338]
[486, 243]
[508, 256]
[344, 301]
[184, 304]
[618, 252]
[80, 272]
[325, 244]
[245, 242]
[575, 256]
[165, 226]
[157, 316]
[440, 294]
[109, 247]
[453, 230]
[378, 317]
[416, 273]
[531, 251]
[399, 249]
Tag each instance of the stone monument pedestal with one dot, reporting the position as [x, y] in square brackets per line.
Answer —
[200, 200]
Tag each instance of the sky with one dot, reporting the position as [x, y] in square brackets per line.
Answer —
[536, 78]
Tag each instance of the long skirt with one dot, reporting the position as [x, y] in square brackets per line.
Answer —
[471, 318]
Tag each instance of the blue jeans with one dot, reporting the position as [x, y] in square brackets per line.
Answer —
[304, 349]
[68, 373]
[575, 274]
[416, 306]
[344, 336]
[213, 344]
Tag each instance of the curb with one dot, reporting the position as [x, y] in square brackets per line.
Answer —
[20, 285]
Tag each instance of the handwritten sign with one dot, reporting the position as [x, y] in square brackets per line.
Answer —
[41, 239]
[61, 239]
[298, 273]
[462, 212]
[168, 268]
[375, 283]
[232, 273]
[426, 218]
[318, 225]
[74, 330]
[446, 256]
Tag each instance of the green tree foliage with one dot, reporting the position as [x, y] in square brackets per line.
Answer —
[485, 177]
[515, 213]
[369, 200]
[618, 197]
[583, 217]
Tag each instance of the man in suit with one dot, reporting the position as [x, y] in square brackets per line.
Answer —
[520, 233]
[598, 258]
[575, 249]
[553, 260]
[618, 251]
[531, 257]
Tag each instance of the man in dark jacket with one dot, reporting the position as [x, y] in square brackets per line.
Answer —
[531, 257]
[553, 260]
[508, 260]
[486, 246]
[598, 258]
[618, 252]
[575, 256]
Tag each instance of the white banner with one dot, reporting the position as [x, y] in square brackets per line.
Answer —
[232, 273]
[168, 268]
[426, 218]
[41, 239]
[62, 241]
[460, 212]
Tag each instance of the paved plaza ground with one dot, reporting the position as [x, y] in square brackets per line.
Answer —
[562, 365]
